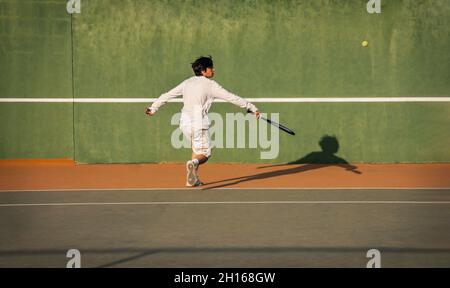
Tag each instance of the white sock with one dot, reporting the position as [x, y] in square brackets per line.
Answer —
[195, 161]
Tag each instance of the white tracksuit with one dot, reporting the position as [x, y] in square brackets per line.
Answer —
[198, 94]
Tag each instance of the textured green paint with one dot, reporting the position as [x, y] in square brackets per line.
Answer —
[35, 62]
[267, 49]
[409, 132]
[131, 48]
[31, 130]
[35, 49]
[141, 48]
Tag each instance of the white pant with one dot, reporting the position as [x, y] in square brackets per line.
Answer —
[198, 134]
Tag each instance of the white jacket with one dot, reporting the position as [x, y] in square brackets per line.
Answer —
[199, 91]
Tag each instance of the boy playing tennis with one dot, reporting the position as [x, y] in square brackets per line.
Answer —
[198, 93]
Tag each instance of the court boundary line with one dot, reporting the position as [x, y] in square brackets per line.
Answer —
[147, 203]
[255, 100]
[217, 189]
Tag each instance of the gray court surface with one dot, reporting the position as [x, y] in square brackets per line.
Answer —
[225, 228]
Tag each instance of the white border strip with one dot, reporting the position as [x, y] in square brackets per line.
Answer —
[219, 203]
[254, 100]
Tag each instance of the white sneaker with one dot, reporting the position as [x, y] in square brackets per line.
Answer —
[191, 177]
[198, 183]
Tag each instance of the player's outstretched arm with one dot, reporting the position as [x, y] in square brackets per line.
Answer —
[221, 93]
[164, 98]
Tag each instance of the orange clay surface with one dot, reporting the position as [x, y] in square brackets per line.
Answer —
[65, 174]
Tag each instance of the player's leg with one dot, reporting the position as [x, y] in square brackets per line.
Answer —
[201, 151]
[191, 172]
[192, 168]
[200, 157]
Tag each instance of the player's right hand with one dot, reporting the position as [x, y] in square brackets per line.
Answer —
[149, 112]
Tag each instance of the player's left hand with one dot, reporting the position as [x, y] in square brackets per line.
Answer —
[149, 112]
[257, 114]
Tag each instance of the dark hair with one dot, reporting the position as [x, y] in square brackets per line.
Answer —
[201, 64]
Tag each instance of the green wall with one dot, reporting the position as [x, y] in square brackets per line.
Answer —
[35, 62]
[264, 48]
[408, 132]
[138, 49]
[34, 130]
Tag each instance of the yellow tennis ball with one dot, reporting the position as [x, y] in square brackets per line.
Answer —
[365, 43]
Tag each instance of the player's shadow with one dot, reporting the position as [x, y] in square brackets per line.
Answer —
[312, 161]
[329, 146]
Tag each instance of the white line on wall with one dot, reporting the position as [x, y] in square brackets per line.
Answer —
[255, 100]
